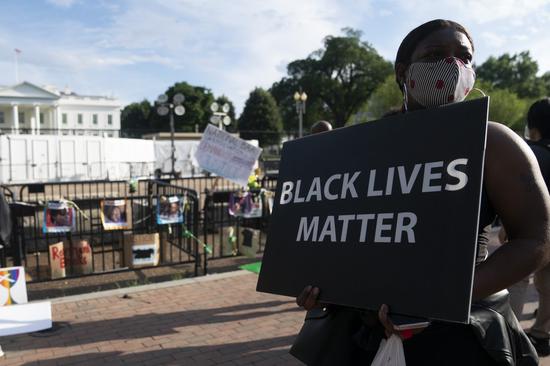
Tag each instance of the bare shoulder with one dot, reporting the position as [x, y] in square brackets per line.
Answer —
[504, 146]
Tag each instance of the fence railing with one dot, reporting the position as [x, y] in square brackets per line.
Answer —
[209, 230]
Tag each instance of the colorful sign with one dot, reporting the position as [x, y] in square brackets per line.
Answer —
[13, 287]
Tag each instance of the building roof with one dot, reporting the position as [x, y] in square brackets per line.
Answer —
[26, 90]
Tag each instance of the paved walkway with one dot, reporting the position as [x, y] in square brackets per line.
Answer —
[213, 320]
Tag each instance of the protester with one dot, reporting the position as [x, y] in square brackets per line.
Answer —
[538, 128]
[441, 52]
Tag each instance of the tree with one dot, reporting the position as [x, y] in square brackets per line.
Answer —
[338, 78]
[386, 97]
[283, 92]
[197, 109]
[504, 105]
[261, 119]
[134, 119]
[233, 127]
[518, 73]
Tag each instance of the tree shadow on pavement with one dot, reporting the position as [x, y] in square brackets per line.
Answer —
[145, 326]
[269, 351]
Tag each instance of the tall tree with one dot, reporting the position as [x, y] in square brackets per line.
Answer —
[517, 73]
[283, 92]
[340, 77]
[261, 119]
[197, 109]
[134, 119]
[233, 127]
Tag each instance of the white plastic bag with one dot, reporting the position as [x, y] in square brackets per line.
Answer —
[390, 353]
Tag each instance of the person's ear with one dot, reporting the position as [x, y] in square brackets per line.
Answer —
[400, 72]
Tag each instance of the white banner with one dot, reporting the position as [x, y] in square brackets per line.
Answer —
[227, 156]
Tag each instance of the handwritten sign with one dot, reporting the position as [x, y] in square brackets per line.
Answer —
[225, 155]
[78, 257]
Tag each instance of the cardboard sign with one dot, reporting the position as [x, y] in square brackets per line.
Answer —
[116, 214]
[170, 210]
[141, 250]
[59, 217]
[13, 287]
[382, 212]
[79, 257]
[249, 243]
[225, 155]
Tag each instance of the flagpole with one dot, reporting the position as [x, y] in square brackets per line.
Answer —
[17, 52]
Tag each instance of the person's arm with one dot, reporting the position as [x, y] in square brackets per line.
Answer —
[518, 193]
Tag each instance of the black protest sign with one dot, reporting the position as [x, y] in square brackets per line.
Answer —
[382, 212]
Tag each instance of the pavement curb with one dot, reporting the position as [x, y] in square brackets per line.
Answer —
[148, 287]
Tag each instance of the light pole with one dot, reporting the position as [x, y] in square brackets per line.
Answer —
[300, 99]
[165, 107]
[220, 118]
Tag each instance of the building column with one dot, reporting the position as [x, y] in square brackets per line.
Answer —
[37, 119]
[15, 119]
[57, 124]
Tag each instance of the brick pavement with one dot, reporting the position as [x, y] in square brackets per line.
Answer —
[213, 320]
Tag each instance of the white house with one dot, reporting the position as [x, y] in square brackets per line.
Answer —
[27, 108]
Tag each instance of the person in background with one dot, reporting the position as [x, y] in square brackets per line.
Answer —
[321, 126]
[538, 133]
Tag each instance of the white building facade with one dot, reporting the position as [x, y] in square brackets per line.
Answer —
[29, 109]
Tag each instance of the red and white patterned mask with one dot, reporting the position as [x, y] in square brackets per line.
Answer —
[436, 83]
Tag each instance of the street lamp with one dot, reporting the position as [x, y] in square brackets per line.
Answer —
[220, 118]
[165, 107]
[300, 99]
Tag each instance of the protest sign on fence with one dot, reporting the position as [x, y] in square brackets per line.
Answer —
[77, 256]
[227, 156]
[382, 212]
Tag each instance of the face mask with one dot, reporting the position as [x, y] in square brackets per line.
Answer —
[437, 83]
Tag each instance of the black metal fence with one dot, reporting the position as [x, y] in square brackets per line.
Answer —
[209, 230]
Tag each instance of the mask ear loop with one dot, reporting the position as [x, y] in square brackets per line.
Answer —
[405, 97]
[480, 91]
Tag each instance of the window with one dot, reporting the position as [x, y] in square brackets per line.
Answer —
[110, 119]
[80, 118]
[64, 118]
[94, 118]
[41, 118]
[22, 117]
[1, 117]
[110, 135]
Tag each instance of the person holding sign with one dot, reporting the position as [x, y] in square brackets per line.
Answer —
[433, 67]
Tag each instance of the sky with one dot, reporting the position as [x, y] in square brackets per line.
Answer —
[136, 49]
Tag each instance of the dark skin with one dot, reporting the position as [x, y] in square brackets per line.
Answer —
[513, 182]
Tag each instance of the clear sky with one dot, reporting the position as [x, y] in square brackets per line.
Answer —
[135, 49]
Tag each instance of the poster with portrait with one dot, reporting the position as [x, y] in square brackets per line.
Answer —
[59, 217]
[116, 214]
[245, 204]
[13, 287]
[170, 210]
